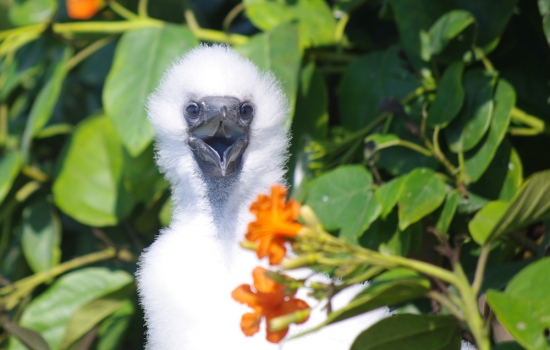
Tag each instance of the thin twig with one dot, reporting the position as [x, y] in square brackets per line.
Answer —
[480, 269]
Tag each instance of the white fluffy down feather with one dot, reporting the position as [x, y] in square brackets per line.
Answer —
[186, 276]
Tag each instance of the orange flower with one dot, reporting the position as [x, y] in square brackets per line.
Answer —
[275, 224]
[269, 301]
[83, 9]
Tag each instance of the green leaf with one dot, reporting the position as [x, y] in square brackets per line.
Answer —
[27, 336]
[387, 195]
[422, 192]
[473, 121]
[448, 212]
[343, 199]
[41, 236]
[485, 220]
[149, 51]
[112, 330]
[525, 319]
[412, 17]
[509, 345]
[444, 30]
[544, 9]
[498, 276]
[405, 332]
[369, 79]
[478, 159]
[310, 124]
[142, 177]
[277, 51]
[316, 23]
[87, 317]
[514, 178]
[50, 312]
[10, 164]
[27, 12]
[532, 204]
[491, 20]
[165, 214]
[43, 106]
[390, 288]
[92, 191]
[449, 97]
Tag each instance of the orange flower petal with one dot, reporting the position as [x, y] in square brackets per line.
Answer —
[244, 295]
[83, 9]
[250, 323]
[275, 337]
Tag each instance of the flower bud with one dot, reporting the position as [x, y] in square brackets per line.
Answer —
[282, 322]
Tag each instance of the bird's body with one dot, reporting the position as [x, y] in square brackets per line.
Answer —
[221, 141]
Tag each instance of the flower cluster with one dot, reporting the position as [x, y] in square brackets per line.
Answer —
[275, 224]
[274, 227]
[268, 299]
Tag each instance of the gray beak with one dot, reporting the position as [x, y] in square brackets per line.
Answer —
[218, 133]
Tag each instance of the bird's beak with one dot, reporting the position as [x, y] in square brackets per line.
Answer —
[218, 137]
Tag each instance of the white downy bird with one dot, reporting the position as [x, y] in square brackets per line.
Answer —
[221, 141]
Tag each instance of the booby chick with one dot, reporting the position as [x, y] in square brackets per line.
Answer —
[220, 142]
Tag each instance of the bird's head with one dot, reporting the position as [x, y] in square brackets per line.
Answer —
[217, 116]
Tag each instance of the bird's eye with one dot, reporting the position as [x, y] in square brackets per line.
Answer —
[246, 111]
[193, 110]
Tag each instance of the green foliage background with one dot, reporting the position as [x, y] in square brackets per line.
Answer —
[409, 117]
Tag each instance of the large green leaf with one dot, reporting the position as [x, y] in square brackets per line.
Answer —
[444, 30]
[10, 164]
[50, 312]
[27, 12]
[387, 195]
[422, 192]
[141, 57]
[43, 106]
[310, 124]
[41, 236]
[27, 336]
[412, 17]
[317, 25]
[406, 332]
[524, 308]
[343, 199]
[532, 204]
[478, 159]
[449, 97]
[448, 212]
[112, 330]
[491, 20]
[368, 80]
[485, 220]
[89, 187]
[474, 119]
[390, 288]
[91, 314]
[277, 51]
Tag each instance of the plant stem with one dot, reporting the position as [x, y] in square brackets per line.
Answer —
[87, 51]
[212, 35]
[142, 9]
[480, 269]
[447, 303]
[34, 173]
[407, 144]
[231, 16]
[14, 292]
[122, 11]
[535, 124]
[114, 27]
